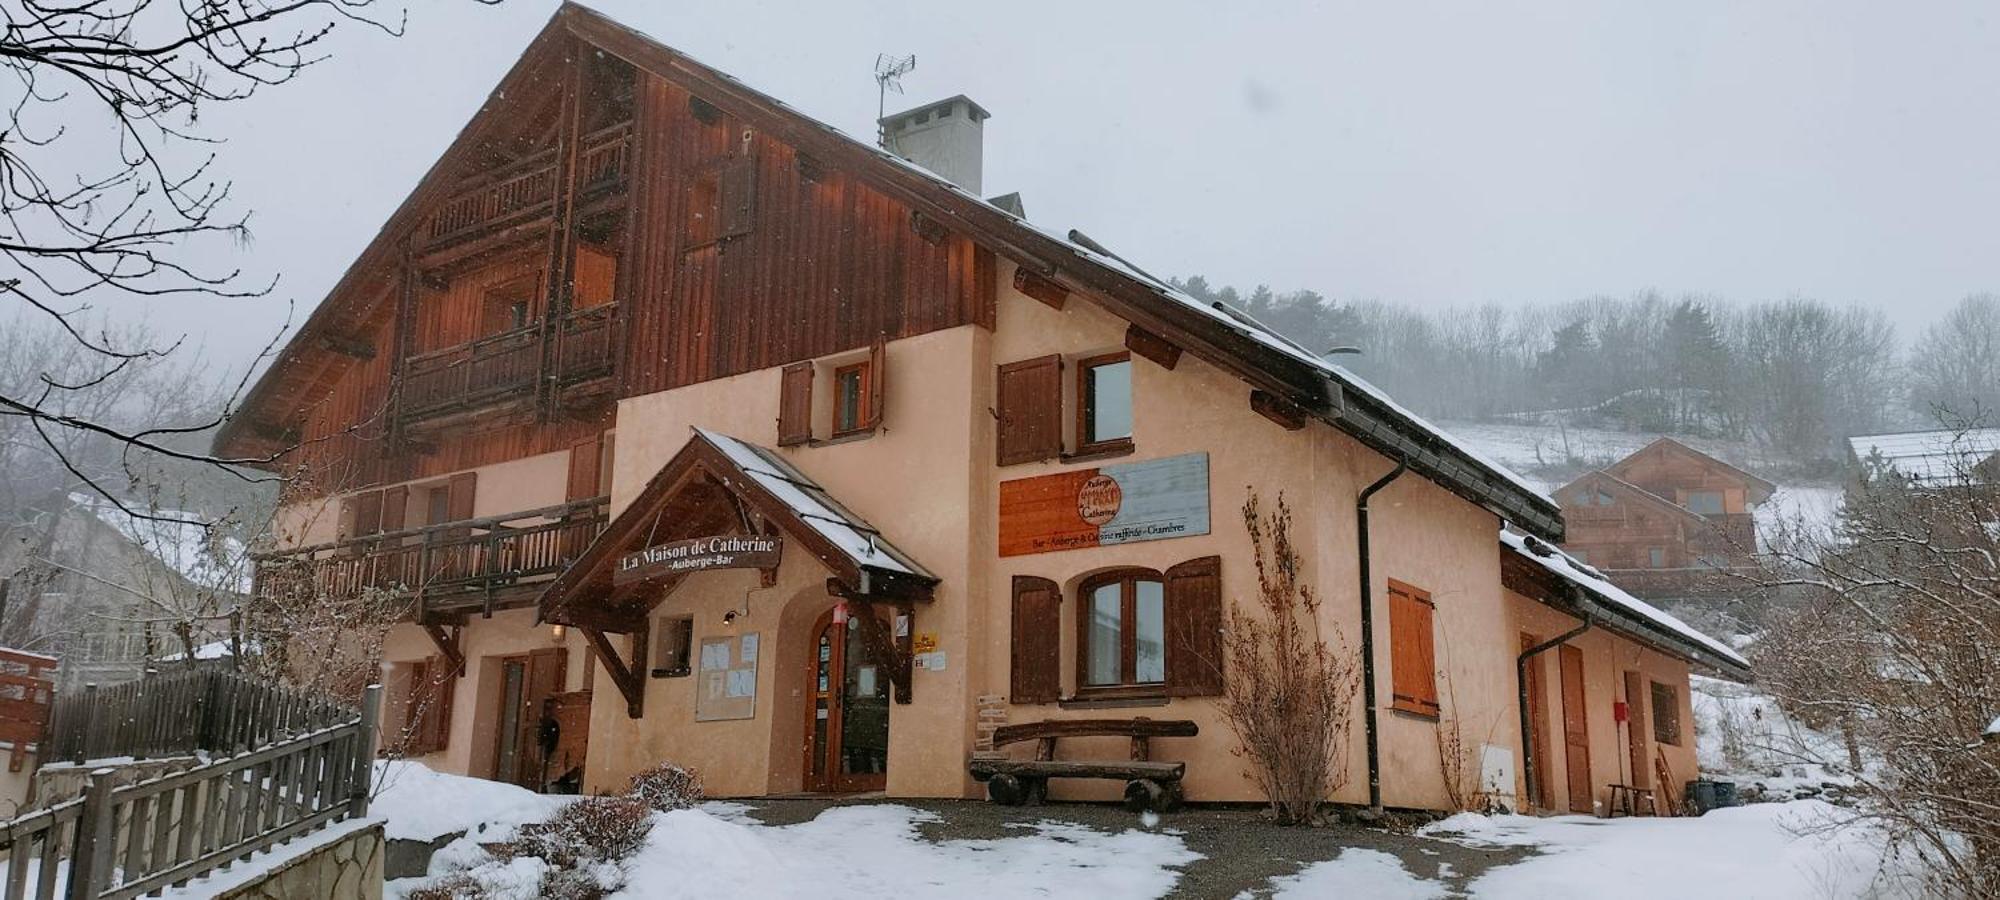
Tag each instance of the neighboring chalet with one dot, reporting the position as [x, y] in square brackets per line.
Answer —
[707, 433]
[1931, 460]
[1667, 521]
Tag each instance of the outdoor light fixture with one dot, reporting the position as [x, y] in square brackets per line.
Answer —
[557, 632]
[729, 618]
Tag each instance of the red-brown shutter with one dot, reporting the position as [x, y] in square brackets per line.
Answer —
[585, 458]
[738, 207]
[463, 486]
[795, 404]
[1195, 662]
[1028, 397]
[878, 373]
[395, 507]
[368, 514]
[1412, 655]
[1037, 641]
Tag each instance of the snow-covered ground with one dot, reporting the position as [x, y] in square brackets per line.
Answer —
[1798, 849]
[1744, 737]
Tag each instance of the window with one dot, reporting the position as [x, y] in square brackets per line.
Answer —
[1104, 403]
[850, 399]
[1656, 557]
[1713, 561]
[1123, 641]
[1666, 714]
[671, 640]
[426, 702]
[510, 306]
[1412, 655]
[1704, 503]
[1582, 556]
[1604, 499]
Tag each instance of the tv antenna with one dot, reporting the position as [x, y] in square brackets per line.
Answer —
[889, 72]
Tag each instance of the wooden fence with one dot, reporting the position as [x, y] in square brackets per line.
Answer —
[180, 713]
[117, 842]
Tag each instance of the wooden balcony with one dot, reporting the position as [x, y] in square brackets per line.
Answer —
[454, 568]
[527, 189]
[507, 367]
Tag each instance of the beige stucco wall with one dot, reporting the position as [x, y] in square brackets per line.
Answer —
[531, 482]
[470, 748]
[912, 480]
[1606, 658]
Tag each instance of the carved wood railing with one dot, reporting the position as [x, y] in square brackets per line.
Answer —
[586, 346]
[527, 188]
[499, 364]
[444, 567]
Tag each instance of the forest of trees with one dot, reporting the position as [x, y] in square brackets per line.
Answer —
[1791, 376]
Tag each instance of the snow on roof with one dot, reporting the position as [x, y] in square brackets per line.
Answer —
[1993, 730]
[1929, 458]
[1563, 566]
[212, 650]
[848, 532]
[193, 550]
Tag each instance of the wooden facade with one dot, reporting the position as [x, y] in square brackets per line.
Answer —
[1666, 521]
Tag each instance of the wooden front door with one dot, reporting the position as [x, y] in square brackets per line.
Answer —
[1576, 733]
[847, 724]
[1639, 754]
[526, 684]
[1538, 729]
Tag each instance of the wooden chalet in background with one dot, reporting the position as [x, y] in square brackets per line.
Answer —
[1667, 521]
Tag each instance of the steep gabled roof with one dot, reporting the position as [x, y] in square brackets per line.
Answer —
[1760, 488]
[1223, 337]
[1929, 458]
[1621, 487]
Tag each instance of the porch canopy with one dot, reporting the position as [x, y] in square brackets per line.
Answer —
[719, 485]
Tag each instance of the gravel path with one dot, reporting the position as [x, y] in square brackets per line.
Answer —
[1241, 849]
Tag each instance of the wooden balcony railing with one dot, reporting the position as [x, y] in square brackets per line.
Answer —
[505, 364]
[527, 188]
[452, 566]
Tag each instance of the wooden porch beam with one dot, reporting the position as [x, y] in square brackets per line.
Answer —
[447, 644]
[1153, 347]
[1039, 287]
[1278, 409]
[624, 676]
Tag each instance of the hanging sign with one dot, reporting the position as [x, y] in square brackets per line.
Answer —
[696, 554]
[1121, 504]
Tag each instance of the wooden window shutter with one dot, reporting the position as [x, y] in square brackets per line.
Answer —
[368, 514]
[610, 456]
[1412, 651]
[795, 388]
[395, 507]
[437, 711]
[585, 458]
[1195, 662]
[878, 373]
[1029, 400]
[1037, 641]
[463, 486]
[738, 206]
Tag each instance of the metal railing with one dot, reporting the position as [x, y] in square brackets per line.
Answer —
[121, 841]
[446, 565]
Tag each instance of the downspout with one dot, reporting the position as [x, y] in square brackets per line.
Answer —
[1368, 635]
[1521, 679]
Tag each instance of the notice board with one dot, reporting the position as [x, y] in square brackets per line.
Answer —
[727, 686]
[1151, 500]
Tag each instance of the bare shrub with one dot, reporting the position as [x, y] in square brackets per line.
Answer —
[594, 829]
[1889, 640]
[666, 787]
[457, 886]
[1290, 692]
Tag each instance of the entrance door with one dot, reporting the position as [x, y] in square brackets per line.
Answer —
[526, 684]
[1576, 733]
[1635, 730]
[847, 732]
[1538, 729]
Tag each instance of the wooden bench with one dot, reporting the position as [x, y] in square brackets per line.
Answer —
[1148, 784]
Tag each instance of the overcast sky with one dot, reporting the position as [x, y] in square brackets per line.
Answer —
[1423, 153]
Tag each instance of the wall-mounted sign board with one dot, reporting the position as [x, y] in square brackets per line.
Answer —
[727, 688]
[696, 554]
[1118, 504]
